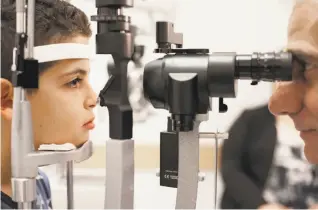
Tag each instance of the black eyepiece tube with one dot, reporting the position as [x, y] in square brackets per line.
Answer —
[264, 66]
[217, 74]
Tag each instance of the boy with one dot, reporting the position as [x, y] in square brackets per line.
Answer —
[62, 107]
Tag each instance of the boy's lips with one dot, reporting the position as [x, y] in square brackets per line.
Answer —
[89, 125]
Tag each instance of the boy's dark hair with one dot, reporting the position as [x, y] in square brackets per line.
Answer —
[55, 22]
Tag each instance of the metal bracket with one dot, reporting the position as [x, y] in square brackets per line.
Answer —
[215, 136]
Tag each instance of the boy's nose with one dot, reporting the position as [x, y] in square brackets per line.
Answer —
[91, 101]
[287, 98]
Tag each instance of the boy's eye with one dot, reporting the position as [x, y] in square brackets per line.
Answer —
[74, 83]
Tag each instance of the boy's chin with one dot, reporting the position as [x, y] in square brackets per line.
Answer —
[79, 145]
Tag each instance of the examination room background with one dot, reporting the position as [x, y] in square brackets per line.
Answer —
[220, 25]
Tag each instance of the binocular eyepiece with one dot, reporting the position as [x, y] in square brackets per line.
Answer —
[184, 79]
[217, 72]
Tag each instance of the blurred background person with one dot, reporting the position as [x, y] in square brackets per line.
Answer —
[263, 165]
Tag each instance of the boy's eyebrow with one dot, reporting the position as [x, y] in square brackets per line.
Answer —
[75, 71]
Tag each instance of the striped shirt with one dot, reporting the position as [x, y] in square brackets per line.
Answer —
[43, 200]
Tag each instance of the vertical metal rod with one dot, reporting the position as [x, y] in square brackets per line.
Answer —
[120, 177]
[21, 27]
[30, 28]
[70, 185]
[30, 32]
[16, 117]
[25, 205]
[188, 168]
[20, 19]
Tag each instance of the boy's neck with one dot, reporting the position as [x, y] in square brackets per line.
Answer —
[6, 174]
[5, 158]
[6, 189]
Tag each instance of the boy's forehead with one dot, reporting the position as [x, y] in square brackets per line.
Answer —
[66, 65]
[69, 67]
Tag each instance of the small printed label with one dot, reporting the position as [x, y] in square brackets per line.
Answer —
[170, 174]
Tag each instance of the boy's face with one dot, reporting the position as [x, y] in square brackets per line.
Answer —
[299, 98]
[64, 102]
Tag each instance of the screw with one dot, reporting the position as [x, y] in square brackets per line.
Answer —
[218, 135]
[201, 177]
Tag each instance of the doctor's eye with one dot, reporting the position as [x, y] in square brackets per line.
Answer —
[310, 66]
[74, 83]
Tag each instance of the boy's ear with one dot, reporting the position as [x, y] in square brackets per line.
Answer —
[6, 99]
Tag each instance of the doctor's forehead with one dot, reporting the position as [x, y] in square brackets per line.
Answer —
[303, 29]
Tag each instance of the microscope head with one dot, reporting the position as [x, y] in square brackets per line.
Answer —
[184, 79]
